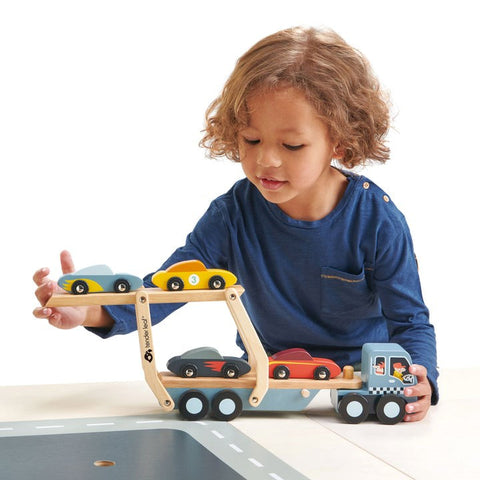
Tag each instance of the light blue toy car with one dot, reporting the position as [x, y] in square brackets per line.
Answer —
[98, 278]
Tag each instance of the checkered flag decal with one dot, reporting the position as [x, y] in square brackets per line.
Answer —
[385, 390]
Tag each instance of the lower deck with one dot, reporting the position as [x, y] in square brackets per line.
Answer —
[170, 380]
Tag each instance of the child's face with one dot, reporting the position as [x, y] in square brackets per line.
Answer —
[286, 152]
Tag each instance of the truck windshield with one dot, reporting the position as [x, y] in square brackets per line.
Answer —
[399, 369]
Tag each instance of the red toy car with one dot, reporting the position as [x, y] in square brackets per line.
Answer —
[298, 363]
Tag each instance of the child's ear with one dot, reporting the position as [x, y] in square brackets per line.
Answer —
[338, 152]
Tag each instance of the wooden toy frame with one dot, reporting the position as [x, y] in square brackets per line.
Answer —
[257, 381]
[144, 297]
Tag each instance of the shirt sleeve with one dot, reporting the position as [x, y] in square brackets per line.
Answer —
[207, 243]
[398, 285]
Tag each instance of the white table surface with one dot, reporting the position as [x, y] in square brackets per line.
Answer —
[315, 442]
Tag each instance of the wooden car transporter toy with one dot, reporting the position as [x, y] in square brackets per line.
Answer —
[378, 391]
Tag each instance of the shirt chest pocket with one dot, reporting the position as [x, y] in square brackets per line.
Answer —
[342, 292]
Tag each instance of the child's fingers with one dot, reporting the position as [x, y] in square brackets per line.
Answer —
[422, 389]
[66, 262]
[40, 275]
[419, 371]
[42, 312]
[416, 411]
[53, 317]
[44, 292]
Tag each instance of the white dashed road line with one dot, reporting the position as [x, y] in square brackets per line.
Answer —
[107, 424]
[40, 427]
[255, 462]
[234, 447]
[148, 421]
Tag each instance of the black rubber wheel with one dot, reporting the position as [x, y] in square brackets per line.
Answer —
[79, 287]
[175, 284]
[281, 372]
[193, 405]
[216, 283]
[390, 409]
[321, 373]
[189, 371]
[353, 408]
[121, 286]
[230, 371]
[226, 405]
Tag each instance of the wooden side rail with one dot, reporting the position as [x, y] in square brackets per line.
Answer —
[142, 299]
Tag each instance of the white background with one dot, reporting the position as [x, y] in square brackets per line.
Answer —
[101, 108]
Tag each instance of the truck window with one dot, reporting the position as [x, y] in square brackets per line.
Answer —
[379, 366]
[399, 369]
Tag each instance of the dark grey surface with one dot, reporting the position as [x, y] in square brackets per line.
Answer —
[142, 447]
[138, 455]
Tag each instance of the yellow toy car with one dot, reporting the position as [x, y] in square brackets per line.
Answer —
[192, 275]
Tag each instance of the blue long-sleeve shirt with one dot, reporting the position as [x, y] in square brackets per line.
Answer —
[328, 286]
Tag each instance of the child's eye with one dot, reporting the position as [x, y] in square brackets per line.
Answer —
[249, 141]
[293, 148]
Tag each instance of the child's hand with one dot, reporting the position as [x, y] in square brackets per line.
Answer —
[416, 411]
[65, 317]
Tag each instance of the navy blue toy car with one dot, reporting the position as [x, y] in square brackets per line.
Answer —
[207, 362]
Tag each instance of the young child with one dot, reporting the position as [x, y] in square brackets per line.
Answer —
[325, 257]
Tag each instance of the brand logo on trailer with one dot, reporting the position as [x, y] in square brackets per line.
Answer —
[148, 355]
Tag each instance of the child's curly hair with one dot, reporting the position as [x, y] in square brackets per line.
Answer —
[334, 77]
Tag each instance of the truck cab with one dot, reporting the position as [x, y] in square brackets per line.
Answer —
[385, 374]
[385, 368]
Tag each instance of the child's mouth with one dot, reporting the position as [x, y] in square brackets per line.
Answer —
[271, 184]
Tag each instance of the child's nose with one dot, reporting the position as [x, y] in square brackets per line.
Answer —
[268, 158]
